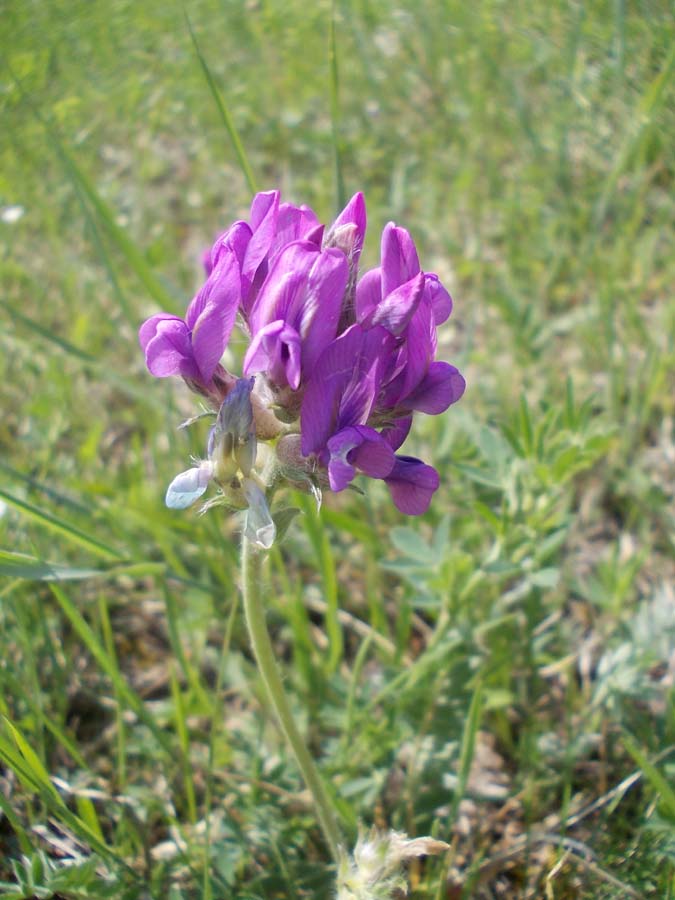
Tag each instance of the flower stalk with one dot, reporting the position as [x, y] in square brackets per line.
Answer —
[254, 609]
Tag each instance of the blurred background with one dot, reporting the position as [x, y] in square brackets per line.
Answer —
[499, 672]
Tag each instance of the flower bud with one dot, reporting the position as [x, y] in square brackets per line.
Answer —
[259, 527]
[232, 444]
[375, 871]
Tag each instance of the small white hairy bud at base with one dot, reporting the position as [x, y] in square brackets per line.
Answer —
[375, 870]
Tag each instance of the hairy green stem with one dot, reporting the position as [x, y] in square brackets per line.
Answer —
[254, 609]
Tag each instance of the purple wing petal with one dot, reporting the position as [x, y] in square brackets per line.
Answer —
[264, 215]
[354, 213]
[441, 386]
[212, 328]
[437, 297]
[374, 455]
[169, 351]
[294, 223]
[369, 366]
[148, 329]
[354, 448]
[236, 240]
[262, 203]
[368, 293]
[339, 369]
[412, 484]
[210, 336]
[397, 308]
[399, 258]
[221, 288]
[276, 350]
[320, 313]
[420, 347]
[283, 292]
[396, 433]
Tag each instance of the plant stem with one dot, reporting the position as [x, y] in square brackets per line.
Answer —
[264, 655]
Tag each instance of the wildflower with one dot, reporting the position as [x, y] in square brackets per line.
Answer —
[341, 360]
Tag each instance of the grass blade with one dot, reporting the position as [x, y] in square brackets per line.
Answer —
[85, 188]
[321, 545]
[33, 781]
[110, 668]
[468, 744]
[653, 776]
[29, 568]
[53, 523]
[340, 191]
[225, 115]
[651, 102]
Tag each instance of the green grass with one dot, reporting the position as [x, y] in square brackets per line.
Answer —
[493, 673]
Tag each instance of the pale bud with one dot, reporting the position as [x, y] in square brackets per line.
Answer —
[376, 869]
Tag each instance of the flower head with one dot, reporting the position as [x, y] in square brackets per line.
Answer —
[337, 364]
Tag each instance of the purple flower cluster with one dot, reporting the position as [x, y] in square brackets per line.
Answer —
[341, 362]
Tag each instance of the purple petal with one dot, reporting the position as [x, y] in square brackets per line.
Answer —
[148, 329]
[210, 336]
[264, 214]
[397, 308]
[169, 351]
[354, 213]
[221, 288]
[357, 448]
[340, 470]
[441, 386]
[374, 455]
[410, 365]
[437, 297]
[315, 235]
[212, 328]
[262, 203]
[343, 385]
[295, 223]
[320, 314]
[399, 258]
[283, 291]
[396, 433]
[412, 484]
[321, 403]
[368, 293]
[276, 350]
[367, 375]
[236, 240]
[420, 347]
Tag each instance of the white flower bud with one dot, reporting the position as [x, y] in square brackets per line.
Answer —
[375, 871]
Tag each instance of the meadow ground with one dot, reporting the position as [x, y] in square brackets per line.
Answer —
[499, 672]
